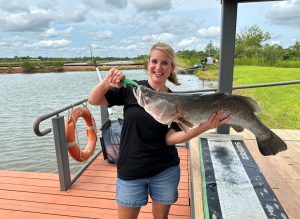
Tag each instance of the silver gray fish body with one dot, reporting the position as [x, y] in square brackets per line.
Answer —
[189, 110]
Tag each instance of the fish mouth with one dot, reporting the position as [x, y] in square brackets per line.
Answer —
[138, 95]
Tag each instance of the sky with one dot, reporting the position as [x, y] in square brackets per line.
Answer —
[128, 28]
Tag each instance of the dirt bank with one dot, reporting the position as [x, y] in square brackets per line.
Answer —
[11, 70]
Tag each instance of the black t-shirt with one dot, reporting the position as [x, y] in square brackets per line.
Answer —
[143, 150]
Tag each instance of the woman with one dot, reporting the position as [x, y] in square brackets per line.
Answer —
[148, 160]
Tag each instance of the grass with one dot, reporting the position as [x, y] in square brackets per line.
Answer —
[280, 104]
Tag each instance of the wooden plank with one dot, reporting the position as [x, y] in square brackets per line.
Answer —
[196, 184]
[286, 195]
[7, 214]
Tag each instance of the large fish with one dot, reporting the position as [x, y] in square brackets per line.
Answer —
[189, 110]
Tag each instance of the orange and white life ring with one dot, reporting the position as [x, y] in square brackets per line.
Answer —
[70, 126]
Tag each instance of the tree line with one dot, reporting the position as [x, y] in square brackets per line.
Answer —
[251, 48]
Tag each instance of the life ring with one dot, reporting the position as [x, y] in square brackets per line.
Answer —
[70, 126]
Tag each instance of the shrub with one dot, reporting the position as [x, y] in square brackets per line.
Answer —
[58, 66]
[28, 67]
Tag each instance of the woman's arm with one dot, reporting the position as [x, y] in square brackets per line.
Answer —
[214, 121]
[112, 79]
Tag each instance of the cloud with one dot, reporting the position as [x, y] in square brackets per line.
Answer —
[175, 25]
[68, 30]
[35, 19]
[163, 37]
[188, 42]
[117, 3]
[152, 5]
[74, 15]
[13, 6]
[285, 13]
[13, 42]
[50, 44]
[212, 32]
[52, 32]
[104, 35]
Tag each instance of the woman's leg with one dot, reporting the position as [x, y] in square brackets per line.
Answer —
[130, 196]
[128, 213]
[159, 210]
[163, 190]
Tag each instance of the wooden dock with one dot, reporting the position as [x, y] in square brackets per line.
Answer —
[37, 195]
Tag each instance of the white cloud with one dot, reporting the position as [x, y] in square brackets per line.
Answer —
[188, 42]
[99, 36]
[33, 20]
[285, 13]
[212, 32]
[51, 32]
[14, 6]
[178, 25]
[152, 5]
[14, 42]
[164, 37]
[68, 30]
[117, 3]
[50, 44]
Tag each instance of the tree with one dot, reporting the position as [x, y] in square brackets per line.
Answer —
[293, 52]
[211, 50]
[272, 54]
[250, 42]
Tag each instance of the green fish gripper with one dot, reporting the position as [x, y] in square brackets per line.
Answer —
[125, 82]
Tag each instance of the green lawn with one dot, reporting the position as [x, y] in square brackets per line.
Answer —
[280, 104]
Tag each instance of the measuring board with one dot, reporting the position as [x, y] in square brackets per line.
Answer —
[233, 186]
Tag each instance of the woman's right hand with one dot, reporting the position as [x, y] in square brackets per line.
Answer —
[114, 78]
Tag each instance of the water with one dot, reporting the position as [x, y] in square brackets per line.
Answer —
[24, 97]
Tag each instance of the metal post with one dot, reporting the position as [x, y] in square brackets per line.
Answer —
[229, 14]
[61, 153]
[104, 114]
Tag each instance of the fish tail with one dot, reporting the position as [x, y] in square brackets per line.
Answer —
[271, 146]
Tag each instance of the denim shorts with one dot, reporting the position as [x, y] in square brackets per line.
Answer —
[162, 188]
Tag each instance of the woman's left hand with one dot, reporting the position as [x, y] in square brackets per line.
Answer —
[215, 120]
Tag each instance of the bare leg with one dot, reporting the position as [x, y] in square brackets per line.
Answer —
[128, 213]
[159, 210]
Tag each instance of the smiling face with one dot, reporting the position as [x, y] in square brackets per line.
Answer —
[160, 67]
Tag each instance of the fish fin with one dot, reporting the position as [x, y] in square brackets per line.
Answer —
[237, 128]
[271, 146]
[250, 102]
[185, 122]
[182, 126]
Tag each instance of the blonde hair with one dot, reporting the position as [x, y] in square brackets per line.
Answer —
[168, 50]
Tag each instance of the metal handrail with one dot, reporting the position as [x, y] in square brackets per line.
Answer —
[61, 147]
[36, 124]
[244, 86]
